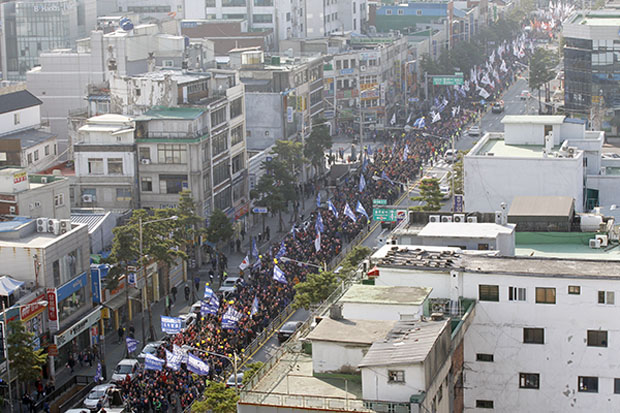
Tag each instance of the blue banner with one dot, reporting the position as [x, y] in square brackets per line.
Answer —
[132, 344]
[72, 286]
[196, 365]
[170, 325]
[153, 363]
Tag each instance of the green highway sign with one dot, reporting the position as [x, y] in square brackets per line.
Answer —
[379, 201]
[384, 214]
[448, 80]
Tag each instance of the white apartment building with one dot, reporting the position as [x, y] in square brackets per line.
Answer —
[543, 333]
[535, 156]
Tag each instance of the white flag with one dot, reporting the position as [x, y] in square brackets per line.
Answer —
[484, 93]
[317, 242]
[393, 121]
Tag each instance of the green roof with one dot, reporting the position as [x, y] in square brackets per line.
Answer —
[566, 245]
[164, 112]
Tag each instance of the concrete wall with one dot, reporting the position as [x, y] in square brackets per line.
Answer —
[364, 311]
[607, 186]
[375, 385]
[529, 134]
[39, 201]
[264, 126]
[328, 357]
[28, 118]
[81, 163]
[44, 161]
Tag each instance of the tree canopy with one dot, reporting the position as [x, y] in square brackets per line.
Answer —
[220, 228]
[275, 187]
[317, 143]
[217, 398]
[430, 194]
[26, 362]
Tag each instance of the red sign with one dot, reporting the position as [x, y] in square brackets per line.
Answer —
[32, 309]
[52, 350]
[52, 306]
[242, 210]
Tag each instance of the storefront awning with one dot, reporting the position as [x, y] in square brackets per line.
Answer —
[8, 285]
[120, 300]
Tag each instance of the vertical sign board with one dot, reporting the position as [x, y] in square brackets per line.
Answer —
[52, 310]
[458, 203]
[96, 283]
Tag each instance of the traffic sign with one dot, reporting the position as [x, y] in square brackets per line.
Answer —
[384, 214]
[447, 80]
[260, 210]
[379, 201]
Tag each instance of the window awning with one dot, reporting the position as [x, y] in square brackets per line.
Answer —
[120, 300]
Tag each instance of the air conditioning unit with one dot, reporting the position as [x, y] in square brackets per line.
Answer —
[340, 107]
[44, 179]
[65, 226]
[472, 220]
[595, 243]
[87, 198]
[145, 161]
[446, 218]
[41, 224]
[434, 219]
[459, 218]
[12, 209]
[571, 151]
[53, 225]
[499, 217]
[362, 68]
[603, 240]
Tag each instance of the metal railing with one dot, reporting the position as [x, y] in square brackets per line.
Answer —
[305, 401]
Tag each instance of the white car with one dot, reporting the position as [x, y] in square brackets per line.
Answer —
[150, 348]
[187, 320]
[445, 191]
[229, 285]
[474, 131]
[124, 368]
[99, 394]
[450, 155]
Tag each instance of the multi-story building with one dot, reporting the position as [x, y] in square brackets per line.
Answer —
[23, 141]
[590, 71]
[31, 27]
[198, 148]
[284, 95]
[105, 163]
[330, 16]
[151, 9]
[33, 195]
[359, 79]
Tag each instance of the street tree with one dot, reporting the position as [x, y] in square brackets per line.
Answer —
[216, 398]
[220, 228]
[26, 362]
[541, 70]
[317, 143]
[124, 252]
[189, 223]
[290, 153]
[457, 184]
[430, 194]
[250, 371]
[275, 188]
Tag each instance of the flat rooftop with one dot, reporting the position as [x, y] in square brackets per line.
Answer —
[8, 224]
[350, 331]
[465, 230]
[414, 256]
[563, 245]
[381, 294]
[498, 147]
[171, 113]
[534, 119]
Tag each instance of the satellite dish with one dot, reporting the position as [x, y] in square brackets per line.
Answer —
[126, 24]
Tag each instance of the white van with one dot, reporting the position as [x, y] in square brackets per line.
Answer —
[451, 155]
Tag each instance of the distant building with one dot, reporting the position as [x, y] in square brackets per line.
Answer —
[227, 35]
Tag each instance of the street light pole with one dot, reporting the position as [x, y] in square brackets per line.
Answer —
[232, 359]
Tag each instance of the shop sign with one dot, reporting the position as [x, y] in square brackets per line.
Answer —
[79, 327]
[52, 309]
[32, 309]
[72, 286]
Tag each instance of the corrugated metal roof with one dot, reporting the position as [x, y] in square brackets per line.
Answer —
[92, 220]
[408, 342]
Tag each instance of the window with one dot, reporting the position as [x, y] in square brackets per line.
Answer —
[145, 153]
[401, 12]
[238, 190]
[396, 376]
[47, 150]
[534, 335]
[115, 166]
[388, 12]
[138, 92]
[574, 289]
[597, 338]
[36, 155]
[219, 143]
[483, 247]
[56, 272]
[516, 294]
[484, 357]
[616, 386]
[484, 404]
[545, 295]
[3, 156]
[288, 16]
[440, 393]
[123, 194]
[95, 166]
[218, 116]
[59, 199]
[237, 163]
[236, 135]
[172, 184]
[236, 108]
[220, 173]
[29, 158]
[587, 384]
[146, 184]
[338, 64]
[488, 292]
[606, 297]
[262, 18]
[221, 200]
[16, 120]
[171, 153]
[529, 380]
[418, 12]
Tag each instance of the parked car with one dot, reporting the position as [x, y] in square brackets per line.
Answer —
[229, 285]
[231, 380]
[498, 107]
[525, 94]
[287, 330]
[124, 368]
[474, 131]
[150, 348]
[187, 320]
[99, 396]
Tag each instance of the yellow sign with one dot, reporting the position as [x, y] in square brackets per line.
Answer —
[105, 312]
[20, 177]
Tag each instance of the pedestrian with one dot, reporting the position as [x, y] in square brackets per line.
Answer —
[71, 362]
[267, 233]
[121, 332]
[197, 283]
[238, 242]
[173, 290]
[187, 291]
[132, 331]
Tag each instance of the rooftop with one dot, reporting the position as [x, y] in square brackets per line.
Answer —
[91, 220]
[10, 223]
[350, 331]
[29, 137]
[409, 342]
[498, 147]
[22, 99]
[465, 230]
[171, 113]
[380, 294]
[534, 119]
[412, 256]
[541, 206]
[177, 75]
[563, 245]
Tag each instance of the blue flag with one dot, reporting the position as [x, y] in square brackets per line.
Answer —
[369, 150]
[99, 375]
[332, 208]
[254, 309]
[258, 264]
[197, 365]
[254, 248]
[360, 209]
[279, 275]
[319, 223]
[362, 183]
[210, 306]
[281, 251]
[170, 325]
[231, 318]
[387, 178]
[173, 360]
[153, 363]
[349, 212]
[318, 199]
[132, 344]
